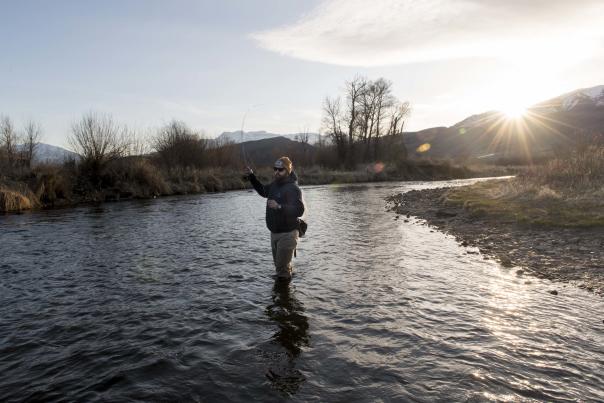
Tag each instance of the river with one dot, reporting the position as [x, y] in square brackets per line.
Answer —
[173, 299]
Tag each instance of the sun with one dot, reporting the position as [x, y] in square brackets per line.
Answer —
[514, 111]
[516, 91]
[513, 105]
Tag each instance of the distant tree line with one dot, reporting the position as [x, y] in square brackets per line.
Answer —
[100, 142]
[364, 124]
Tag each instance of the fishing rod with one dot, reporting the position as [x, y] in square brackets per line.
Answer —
[243, 154]
[246, 160]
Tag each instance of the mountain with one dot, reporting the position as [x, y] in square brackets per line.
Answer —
[46, 153]
[237, 137]
[583, 96]
[264, 152]
[582, 109]
[548, 126]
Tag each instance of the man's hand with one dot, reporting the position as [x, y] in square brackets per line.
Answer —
[247, 171]
[273, 204]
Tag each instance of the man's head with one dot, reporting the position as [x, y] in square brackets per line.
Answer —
[283, 167]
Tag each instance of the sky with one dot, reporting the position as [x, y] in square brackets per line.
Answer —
[269, 64]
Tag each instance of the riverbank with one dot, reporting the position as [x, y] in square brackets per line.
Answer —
[63, 186]
[558, 238]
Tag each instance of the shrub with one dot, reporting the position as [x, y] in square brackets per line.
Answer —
[52, 184]
[98, 140]
[177, 145]
[137, 176]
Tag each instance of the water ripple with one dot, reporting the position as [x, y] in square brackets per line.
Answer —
[174, 299]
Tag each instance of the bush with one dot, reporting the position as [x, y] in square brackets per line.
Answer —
[98, 140]
[52, 183]
[136, 176]
[177, 145]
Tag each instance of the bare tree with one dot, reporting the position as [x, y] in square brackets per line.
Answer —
[332, 125]
[366, 116]
[137, 144]
[177, 145]
[223, 153]
[98, 140]
[375, 100]
[8, 139]
[354, 90]
[304, 138]
[32, 136]
[399, 114]
[371, 112]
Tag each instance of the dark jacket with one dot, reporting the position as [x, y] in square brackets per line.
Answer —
[288, 195]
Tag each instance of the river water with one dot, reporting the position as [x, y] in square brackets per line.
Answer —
[173, 300]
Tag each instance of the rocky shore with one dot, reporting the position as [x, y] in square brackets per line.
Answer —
[574, 255]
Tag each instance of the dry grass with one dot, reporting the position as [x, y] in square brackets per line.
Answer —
[13, 200]
[565, 192]
[580, 172]
[319, 176]
[138, 177]
[220, 180]
[142, 177]
[378, 172]
[52, 184]
[184, 180]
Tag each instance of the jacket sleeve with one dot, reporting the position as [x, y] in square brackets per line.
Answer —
[293, 206]
[260, 188]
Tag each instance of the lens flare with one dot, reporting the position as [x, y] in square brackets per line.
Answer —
[423, 148]
[378, 167]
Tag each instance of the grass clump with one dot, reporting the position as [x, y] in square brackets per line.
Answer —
[16, 200]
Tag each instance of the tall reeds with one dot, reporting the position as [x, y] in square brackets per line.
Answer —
[13, 200]
[579, 173]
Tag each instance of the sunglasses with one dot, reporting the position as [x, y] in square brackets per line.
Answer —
[279, 169]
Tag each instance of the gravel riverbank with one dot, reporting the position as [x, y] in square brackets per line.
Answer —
[574, 255]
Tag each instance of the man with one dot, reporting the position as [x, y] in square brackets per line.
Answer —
[283, 208]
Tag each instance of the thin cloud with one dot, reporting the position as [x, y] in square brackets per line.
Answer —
[387, 32]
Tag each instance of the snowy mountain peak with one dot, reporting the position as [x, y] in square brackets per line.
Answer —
[238, 136]
[49, 154]
[593, 94]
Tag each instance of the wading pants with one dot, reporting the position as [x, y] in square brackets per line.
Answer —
[283, 245]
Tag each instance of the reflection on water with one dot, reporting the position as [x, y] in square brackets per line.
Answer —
[292, 334]
[174, 300]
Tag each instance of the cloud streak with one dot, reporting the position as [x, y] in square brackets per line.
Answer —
[388, 32]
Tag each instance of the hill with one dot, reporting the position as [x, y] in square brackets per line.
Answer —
[49, 154]
[264, 152]
[238, 137]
